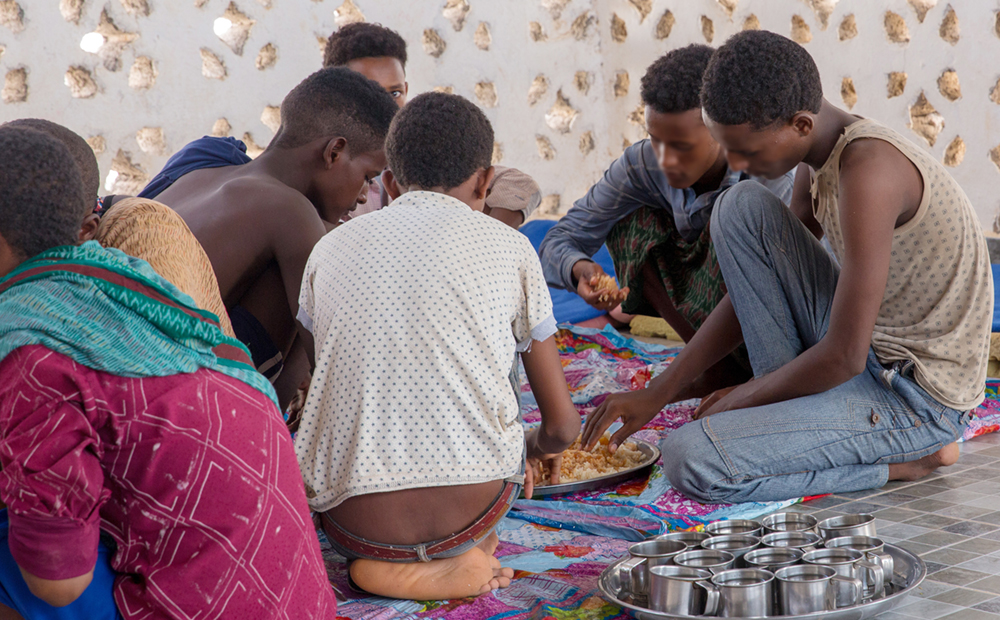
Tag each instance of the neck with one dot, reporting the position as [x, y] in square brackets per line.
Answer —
[291, 167]
[830, 124]
[712, 179]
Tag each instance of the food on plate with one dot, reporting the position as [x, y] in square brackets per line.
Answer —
[578, 465]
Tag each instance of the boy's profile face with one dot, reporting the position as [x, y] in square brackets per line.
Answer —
[345, 184]
[385, 70]
[769, 152]
[684, 147]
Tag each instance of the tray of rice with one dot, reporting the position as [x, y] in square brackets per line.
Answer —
[586, 471]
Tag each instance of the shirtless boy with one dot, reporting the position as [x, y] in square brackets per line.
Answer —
[865, 372]
[411, 444]
[652, 207]
[379, 54]
[259, 221]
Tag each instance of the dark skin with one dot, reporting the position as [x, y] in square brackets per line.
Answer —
[880, 190]
[258, 223]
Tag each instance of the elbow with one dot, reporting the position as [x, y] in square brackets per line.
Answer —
[850, 364]
[58, 593]
[565, 432]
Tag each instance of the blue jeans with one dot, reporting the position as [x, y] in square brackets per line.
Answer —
[781, 282]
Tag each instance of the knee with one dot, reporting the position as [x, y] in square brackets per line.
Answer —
[691, 463]
[746, 206]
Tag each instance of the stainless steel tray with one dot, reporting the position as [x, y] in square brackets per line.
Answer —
[908, 572]
[642, 469]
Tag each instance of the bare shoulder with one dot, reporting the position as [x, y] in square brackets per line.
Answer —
[869, 157]
[875, 172]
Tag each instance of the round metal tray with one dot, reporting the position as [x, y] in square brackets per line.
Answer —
[651, 452]
[908, 572]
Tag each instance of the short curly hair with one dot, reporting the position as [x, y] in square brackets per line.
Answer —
[78, 148]
[672, 84]
[363, 40]
[438, 140]
[760, 78]
[41, 194]
[336, 102]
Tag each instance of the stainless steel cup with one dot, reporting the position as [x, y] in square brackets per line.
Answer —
[874, 550]
[734, 526]
[850, 563]
[772, 558]
[737, 544]
[742, 593]
[801, 540]
[634, 572]
[712, 560]
[788, 522]
[691, 539]
[846, 525]
[680, 590]
[809, 588]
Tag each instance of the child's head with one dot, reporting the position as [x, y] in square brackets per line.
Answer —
[441, 143]
[375, 52]
[41, 195]
[339, 119]
[760, 96]
[85, 160]
[684, 148]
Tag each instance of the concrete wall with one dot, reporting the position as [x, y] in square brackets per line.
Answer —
[159, 80]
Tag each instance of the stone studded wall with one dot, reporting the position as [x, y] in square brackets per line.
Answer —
[558, 78]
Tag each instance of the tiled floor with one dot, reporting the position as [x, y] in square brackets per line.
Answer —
[952, 520]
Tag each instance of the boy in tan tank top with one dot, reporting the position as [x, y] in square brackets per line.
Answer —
[865, 371]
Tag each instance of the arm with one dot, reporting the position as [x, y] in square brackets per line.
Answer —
[801, 204]
[878, 185]
[294, 233]
[60, 592]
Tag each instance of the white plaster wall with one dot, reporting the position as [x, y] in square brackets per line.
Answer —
[185, 104]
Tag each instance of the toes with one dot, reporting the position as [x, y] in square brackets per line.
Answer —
[494, 563]
[503, 581]
[507, 572]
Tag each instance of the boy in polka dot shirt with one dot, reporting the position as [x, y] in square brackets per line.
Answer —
[411, 443]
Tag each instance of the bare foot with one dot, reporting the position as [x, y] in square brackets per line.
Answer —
[915, 470]
[473, 573]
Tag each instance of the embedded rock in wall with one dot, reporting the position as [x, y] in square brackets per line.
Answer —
[12, 15]
[925, 120]
[233, 28]
[587, 142]
[482, 37]
[142, 75]
[580, 28]
[996, 24]
[221, 128]
[455, 12]
[621, 85]
[665, 25]
[949, 86]
[707, 29]
[539, 86]
[728, 6]
[448, 90]
[97, 144]
[897, 84]
[266, 57]
[212, 66]
[136, 8]
[995, 158]
[848, 93]
[125, 177]
[432, 42]
[555, 7]
[486, 93]
[637, 116]
[200, 3]
[848, 28]
[995, 93]
[955, 153]
[921, 7]
[536, 32]
[582, 80]
[151, 140]
[80, 82]
[823, 10]
[619, 32]
[545, 149]
[253, 149]
[562, 115]
[895, 28]
[115, 41]
[15, 86]
[71, 10]
[949, 30]
[497, 156]
[800, 30]
[645, 7]
[549, 204]
[751, 22]
[271, 117]
[347, 13]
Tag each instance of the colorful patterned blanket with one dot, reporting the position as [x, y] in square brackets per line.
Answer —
[558, 547]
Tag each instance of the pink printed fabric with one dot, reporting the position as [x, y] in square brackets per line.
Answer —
[193, 475]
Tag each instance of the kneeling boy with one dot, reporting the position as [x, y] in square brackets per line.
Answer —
[411, 442]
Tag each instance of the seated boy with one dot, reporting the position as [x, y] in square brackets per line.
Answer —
[125, 410]
[379, 54]
[864, 373]
[652, 208]
[258, 221]
[411, 443]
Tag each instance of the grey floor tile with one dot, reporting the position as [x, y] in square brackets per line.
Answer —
[964, 511]
[929, 588]
[918, 548]
[993, 535]
[971, 614]
[970, 528]
[928, 505]
[981, 473]
[858, 494]
[990, 584]
[985, 564]
[857, 508]
[934, 567]
[926, 608]
[988, 501]
[958, 496]
[992, 605]
[895, 498]
[939, 539]
[990, 487]
[903, 531]
[990, 517]
[953, 557]
[894, 615]
[933, 520]
[965, 598]
[977, 459]
[978, 545]
[927, 489]
[898, 515]
[825, 502]
[959, 576]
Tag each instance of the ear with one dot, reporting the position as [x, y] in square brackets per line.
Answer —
[390, 185]
[10, 258]
[88, 230]
[336, 148]
[484, 180]
[406, 88]
[803, 123]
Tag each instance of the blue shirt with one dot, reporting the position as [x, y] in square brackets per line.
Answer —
[634, 180]
[207, 152]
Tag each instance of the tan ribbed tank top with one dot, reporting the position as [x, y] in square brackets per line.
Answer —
[938, 304]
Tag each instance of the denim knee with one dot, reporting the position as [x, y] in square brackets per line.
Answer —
[747, 206]
[691, 462]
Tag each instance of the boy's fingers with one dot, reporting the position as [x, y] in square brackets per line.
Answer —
[619, 437]
[554, 469]
[529, 480]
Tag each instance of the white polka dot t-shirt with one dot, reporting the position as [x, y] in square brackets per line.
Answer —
[416, 311]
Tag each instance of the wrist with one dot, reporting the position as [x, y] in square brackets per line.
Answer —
[582, 270]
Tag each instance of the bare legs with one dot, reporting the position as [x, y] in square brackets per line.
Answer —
[915, 470]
